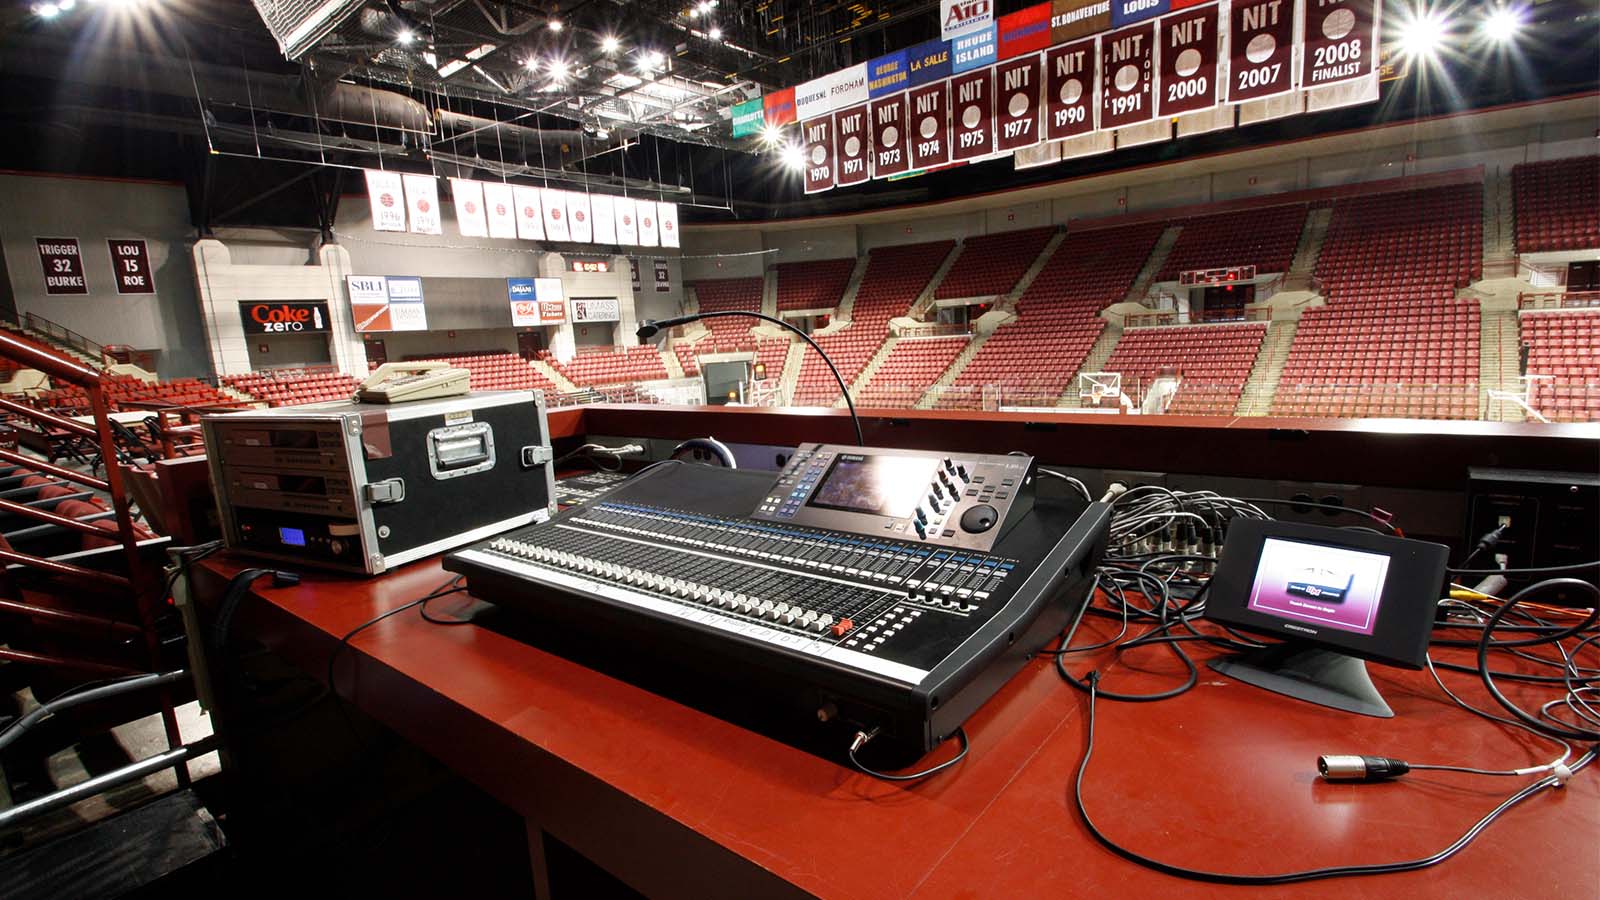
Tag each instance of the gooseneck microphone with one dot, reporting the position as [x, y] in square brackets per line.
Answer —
[650, 327]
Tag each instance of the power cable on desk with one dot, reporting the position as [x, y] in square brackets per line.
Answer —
[863, 737]
[1549, 781]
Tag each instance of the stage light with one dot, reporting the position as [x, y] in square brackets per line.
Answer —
[1422, 36]
[46, 10]
[405, 37]
[558, 70]
[609, 44]
[715, 34]
[531, 64]
[771, 135]
[1503, 24]
[555, 25]
[792, 157]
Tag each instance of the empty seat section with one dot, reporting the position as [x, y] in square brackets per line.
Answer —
[721, 294]
[1213, 360]
[1556, 204]
[291, 387]
[1263, 237]
[992, 264]
[610, 365]
[126, 392]
[1564, 348]
[770, 352]
[497, 371]
[911, 366]
[1033, 359]
[894, 278]
[814, 284]
[1392, 339]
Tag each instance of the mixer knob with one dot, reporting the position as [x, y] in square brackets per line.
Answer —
[962, 471]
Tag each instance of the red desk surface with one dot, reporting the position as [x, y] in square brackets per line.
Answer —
[673, 800]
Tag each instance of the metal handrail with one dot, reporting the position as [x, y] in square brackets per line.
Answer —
[64, 334]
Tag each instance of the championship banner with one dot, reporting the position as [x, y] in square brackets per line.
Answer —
[668, 212]
[888, 74]
[748, 117]
[974, 50]
[1338, 38]
[1019, 103]
[530, 212]
[469, 207]
[1261, 48]
[778, 108]
[499, 203]
[1072, 19]
[385, 192]
[604, 212]
[1127, 12]
[958, 18]
[847, 87]
[930, 126]
[578, 221]
[556, 227]
[649, 233]
[1127, 74]
[1188, 56]
[816, 137]
[927, 62]
[1025, 31]
[887, 121]
[422, 203]
[811, 99]
[850, 145]
[627, 221]
[1070, 89]
[972, 114]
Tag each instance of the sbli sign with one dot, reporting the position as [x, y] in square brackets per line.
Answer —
[959, 17]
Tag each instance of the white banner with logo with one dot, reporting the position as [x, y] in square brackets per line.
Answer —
[386, 193]
[602, 208]
[468, 195]
[422, 202]
[649, 225]
[555, 215]
[500, 203]
[530, 213]
[668, 213]
[578, 220]
[627, 221]
[959, 17]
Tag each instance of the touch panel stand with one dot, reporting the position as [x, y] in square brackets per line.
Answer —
[1312, 674]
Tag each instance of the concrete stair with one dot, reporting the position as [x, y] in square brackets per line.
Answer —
[1298, 277]
[847, 302]
[769, 292]
[1009, 301]
[1498, 363]
[924, 302]
[1256, 398]
[1499, 227]
[1152, 266]
[870, 369]
[791, 370]
[669, 358]
[560, 380]
[931, 395]
[1094, 362]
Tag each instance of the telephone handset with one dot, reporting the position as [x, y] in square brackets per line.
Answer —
[400, 382]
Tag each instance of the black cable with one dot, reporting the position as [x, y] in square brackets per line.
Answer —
[960, 736]
[449, 587]
[424, 609]
[1484, 644]
[1550, 781]
[1363, 513]
[1537, 570]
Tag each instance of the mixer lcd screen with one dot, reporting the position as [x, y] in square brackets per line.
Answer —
[879, 485]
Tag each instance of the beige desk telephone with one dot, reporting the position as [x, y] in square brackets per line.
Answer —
[400, 382]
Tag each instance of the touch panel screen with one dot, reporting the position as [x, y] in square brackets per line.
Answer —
[1321, 585]
[878, 485]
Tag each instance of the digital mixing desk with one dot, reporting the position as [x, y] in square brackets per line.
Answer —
[839, 603]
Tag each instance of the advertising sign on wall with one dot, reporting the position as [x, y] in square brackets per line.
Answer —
[386, 303]
[283, 317]
[596, 309]
[535, 301]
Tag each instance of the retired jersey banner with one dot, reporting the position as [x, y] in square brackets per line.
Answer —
[816, 142]
[975, 50]
[811, 99]
[649, 224]
[530, 212]
[578, 221]
[1188, 53]
[927, 62]
[387, 195]
[602, 208]
[958, 18]
[748, 117]
[556, 226]
[422, 203]
[1070, 89]
[468, 196]
[930, 126]
[1018, 103]
[887, 122]
[1025, 31]
[1261, 49]
[972, 114]
[627, 221]
[1127, 76]
[850, 146]
[498, 203]
[778, 108]
[1072, 19]
[887, 74]
[1127, 12]
[668, 213]
[1338, 41]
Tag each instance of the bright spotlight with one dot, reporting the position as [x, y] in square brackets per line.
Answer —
[715, 33]
[558, 70]
[1422, 36]
[609, 44]
[405, 37]
[792, 157]
[555, 25]
[531, 64]
[46, 10]
[771, 135]
[1503, 24]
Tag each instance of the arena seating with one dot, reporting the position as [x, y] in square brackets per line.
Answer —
[291, 387]
[610, 365]
[497, 371]
[1556, 204]
[992, 264]
[1057, 318]
[1213, 360]
[1566, 347]
[729, 293]
[1392, 340]
[125, 391]
[1265, 237]
[912, 365]
[814, 284]
[769, 351]
[894, 278]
